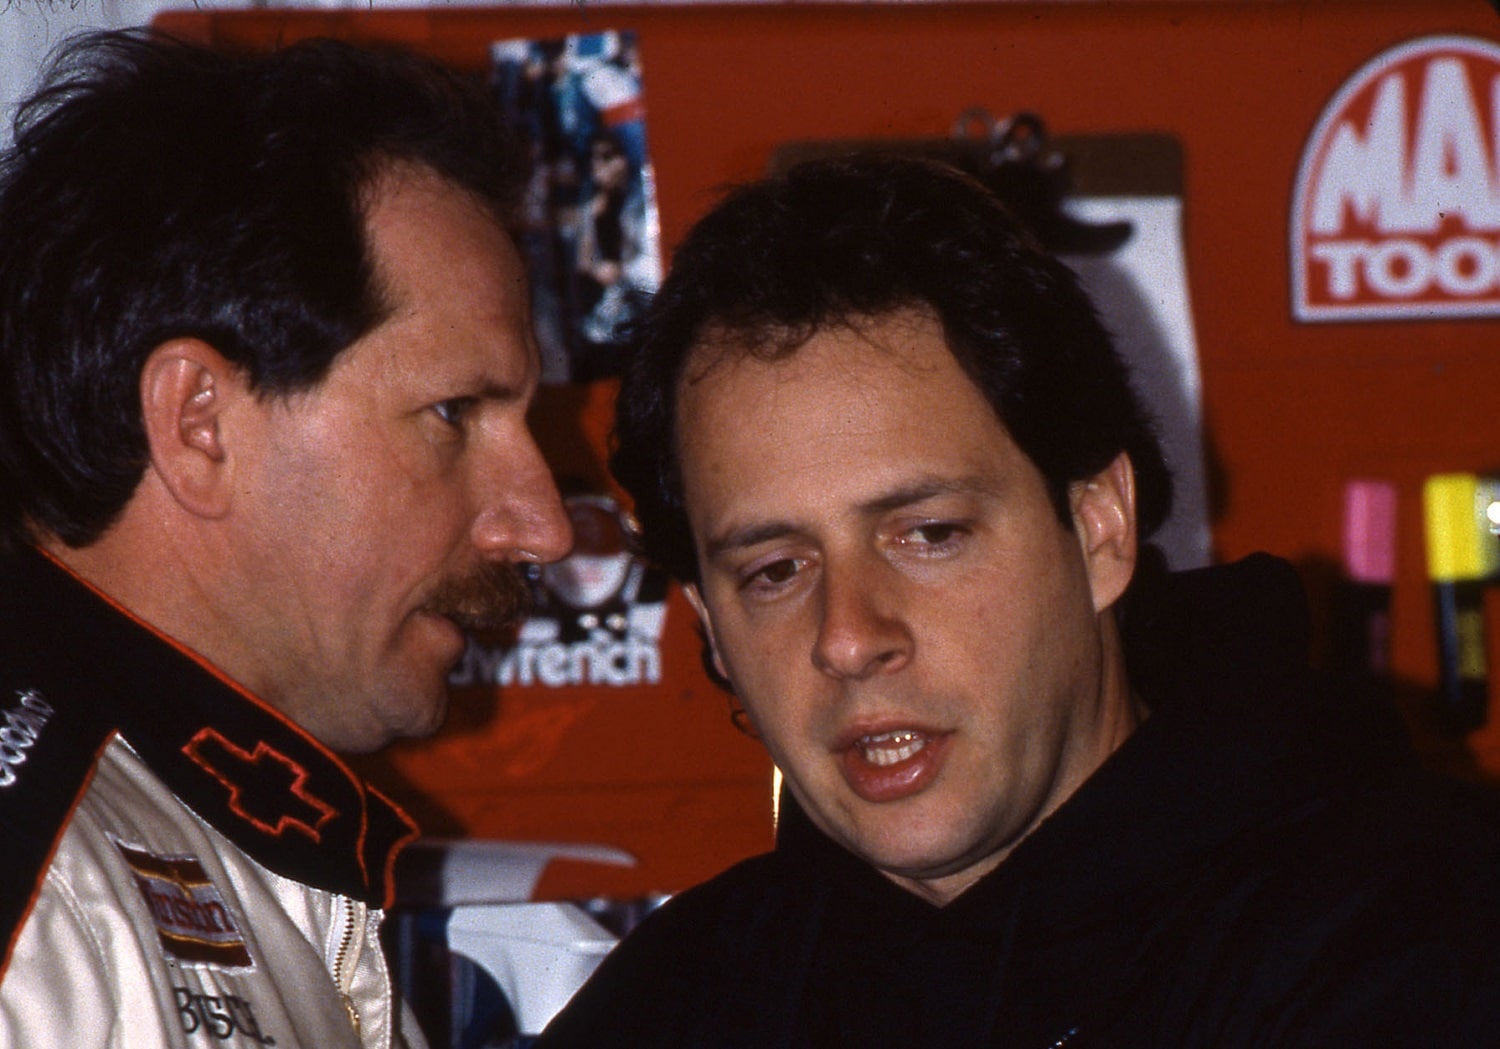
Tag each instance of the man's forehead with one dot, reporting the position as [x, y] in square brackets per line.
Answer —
[386, 175]
[770, 355]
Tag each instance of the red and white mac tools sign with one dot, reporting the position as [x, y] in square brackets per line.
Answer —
[1397, 208]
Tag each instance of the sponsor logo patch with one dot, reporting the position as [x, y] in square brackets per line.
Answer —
[266, 788]
[1396, 213]
[190, 915]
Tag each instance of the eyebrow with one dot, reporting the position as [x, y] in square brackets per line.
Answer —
[483, 384]
[485, 387]
[498, 391]
[919, 490]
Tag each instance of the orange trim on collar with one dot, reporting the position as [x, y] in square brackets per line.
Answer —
[358, 782]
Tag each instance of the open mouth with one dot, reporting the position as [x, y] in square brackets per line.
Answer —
[895, 763]
[890, 748]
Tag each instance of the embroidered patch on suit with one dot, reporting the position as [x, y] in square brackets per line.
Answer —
[190, 915]
[266, 788]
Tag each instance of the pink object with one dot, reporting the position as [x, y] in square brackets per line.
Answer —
[1370, 531]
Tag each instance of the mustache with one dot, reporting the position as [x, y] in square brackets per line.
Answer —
[487, 601]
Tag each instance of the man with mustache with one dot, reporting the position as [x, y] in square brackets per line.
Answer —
[890, 451]
[265, 364]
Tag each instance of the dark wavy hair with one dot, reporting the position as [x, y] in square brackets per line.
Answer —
[158, 190]
[837, 241]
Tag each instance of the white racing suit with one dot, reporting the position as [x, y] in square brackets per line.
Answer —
[182, 868]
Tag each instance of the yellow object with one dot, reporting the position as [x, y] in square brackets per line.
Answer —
[1456, 511]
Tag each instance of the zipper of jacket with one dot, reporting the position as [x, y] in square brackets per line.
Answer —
[347, 958]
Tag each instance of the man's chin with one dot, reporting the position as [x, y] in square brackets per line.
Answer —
[373, 744]
[426, 720]
[397, 718]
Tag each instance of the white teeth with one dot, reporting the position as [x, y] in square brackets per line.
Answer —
[887, 748]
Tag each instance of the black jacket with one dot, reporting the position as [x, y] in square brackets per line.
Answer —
[1261, 864]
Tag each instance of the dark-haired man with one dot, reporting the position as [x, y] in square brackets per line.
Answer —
[890, 451]
[265, 365]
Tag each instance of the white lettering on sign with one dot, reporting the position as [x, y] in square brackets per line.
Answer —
[1397, 208]
[600, 661]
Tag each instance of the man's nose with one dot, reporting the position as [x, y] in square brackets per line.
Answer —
[521, 517]
[861, 631]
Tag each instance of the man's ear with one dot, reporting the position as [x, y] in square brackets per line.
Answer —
[695, 598]
[186, 387]
[1104, 519]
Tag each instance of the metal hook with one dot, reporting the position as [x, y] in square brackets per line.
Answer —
[1014, 158]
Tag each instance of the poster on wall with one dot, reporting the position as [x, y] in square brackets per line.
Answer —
[590, 228]
[1397, 207]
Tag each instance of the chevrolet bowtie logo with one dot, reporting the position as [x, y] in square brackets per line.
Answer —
[266, 788]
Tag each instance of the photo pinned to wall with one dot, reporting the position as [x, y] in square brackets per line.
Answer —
[591, 231]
